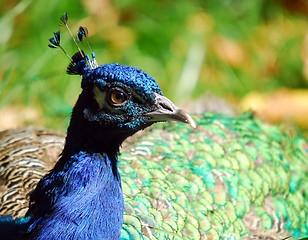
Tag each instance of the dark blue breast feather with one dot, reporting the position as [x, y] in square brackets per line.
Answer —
[88, 201]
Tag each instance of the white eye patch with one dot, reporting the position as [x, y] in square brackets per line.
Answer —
[99, 96]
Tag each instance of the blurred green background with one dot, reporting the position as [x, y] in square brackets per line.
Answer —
[254, 54]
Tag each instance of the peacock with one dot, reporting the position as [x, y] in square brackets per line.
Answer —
[81, 196]
[219, 178]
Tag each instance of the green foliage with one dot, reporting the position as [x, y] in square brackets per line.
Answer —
[226, 47]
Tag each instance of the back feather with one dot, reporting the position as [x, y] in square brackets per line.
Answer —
[26, 154]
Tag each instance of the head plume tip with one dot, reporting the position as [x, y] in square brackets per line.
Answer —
[64, 18]
[82, 32]
[55, 40]
[80, 61]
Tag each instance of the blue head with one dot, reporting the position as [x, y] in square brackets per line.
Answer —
[124, 96]
[116, 101]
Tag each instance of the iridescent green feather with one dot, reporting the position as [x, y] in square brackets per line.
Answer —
[227, 179]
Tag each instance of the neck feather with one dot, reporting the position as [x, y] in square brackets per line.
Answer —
[84, 200]
[92, 136]
[82, 196]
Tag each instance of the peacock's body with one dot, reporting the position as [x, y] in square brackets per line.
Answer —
[228, 178]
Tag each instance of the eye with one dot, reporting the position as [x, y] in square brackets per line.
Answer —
[117, 96]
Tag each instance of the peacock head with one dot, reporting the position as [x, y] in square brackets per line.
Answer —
[122, 97]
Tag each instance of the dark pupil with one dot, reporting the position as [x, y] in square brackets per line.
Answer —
[119, 96]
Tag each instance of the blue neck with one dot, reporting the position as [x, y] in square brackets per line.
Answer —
[81, 200]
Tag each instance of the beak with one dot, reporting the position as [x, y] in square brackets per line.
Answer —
[166, 110]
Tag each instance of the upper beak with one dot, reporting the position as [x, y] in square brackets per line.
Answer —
[166, 110]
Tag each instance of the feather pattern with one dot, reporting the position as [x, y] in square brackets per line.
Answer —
[229, 178]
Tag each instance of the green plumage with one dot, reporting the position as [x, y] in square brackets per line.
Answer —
[229, 178]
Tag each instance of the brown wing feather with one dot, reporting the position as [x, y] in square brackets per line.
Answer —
[26, 154]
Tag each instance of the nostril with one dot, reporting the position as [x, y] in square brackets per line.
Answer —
[166, 106]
